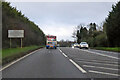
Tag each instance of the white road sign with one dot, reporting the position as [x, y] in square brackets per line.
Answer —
[15, 33]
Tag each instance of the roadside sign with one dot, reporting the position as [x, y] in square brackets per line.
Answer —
[15, 33]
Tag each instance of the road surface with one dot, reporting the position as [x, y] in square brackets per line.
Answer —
[65, 62]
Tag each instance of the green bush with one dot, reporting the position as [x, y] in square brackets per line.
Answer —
[101, 40]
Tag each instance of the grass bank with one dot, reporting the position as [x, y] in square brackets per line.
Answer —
[115, 49]
[11, 54]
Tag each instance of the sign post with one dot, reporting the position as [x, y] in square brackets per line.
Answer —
[21, 42]
[10, 42]
[15, 34]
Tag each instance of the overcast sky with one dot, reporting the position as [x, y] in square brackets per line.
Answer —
[60, 18]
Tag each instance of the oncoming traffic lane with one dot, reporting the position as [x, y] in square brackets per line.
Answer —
[97, 66]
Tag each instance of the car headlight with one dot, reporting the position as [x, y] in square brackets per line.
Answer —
[81, 45]
[86, 45]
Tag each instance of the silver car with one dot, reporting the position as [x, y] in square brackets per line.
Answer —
[76, 45]
[84, 45]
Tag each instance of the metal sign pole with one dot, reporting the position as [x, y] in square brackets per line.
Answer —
[21, 42]
[10, 42]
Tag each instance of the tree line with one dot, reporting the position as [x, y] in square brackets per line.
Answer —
[107, 35]
[65, 43]
[12, 19]
[93, 35]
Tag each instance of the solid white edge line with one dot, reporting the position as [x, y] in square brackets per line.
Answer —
[103, 73]
[99, 67]
[18, 60]
[81, 69]
[101, 54]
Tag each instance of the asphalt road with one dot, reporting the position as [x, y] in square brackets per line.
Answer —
[65, 62]
[97, 63]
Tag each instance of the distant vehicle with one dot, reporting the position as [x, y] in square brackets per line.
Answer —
[76, 45]
[84, 45]
[58, 45]
[51, 42]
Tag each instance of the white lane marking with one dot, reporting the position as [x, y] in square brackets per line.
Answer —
[99, 67]
[88, 60]
[18, 60]
[98, 63]
[101, 54]
[81, 69]
[63, 53]
[60, 50]
[103, 73]
[49, 52]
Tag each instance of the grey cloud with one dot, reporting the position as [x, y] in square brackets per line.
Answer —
[72, 13]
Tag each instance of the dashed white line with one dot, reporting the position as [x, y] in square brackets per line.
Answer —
[103, 73]
[63, 53]
[81, 69]
[98, 63]
[99, 67]
[101, 54]
[60, 50]
[18, 60]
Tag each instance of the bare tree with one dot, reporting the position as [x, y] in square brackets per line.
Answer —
[74, 34]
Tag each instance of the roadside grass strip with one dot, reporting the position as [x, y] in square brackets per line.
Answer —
[100, 54]
[104, 73]
[115, 49]
[13, 51]
[10, 64]
[12, 54]
[81, 69]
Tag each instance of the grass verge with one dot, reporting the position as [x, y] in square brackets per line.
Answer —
[115, 49]
[11, 54]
